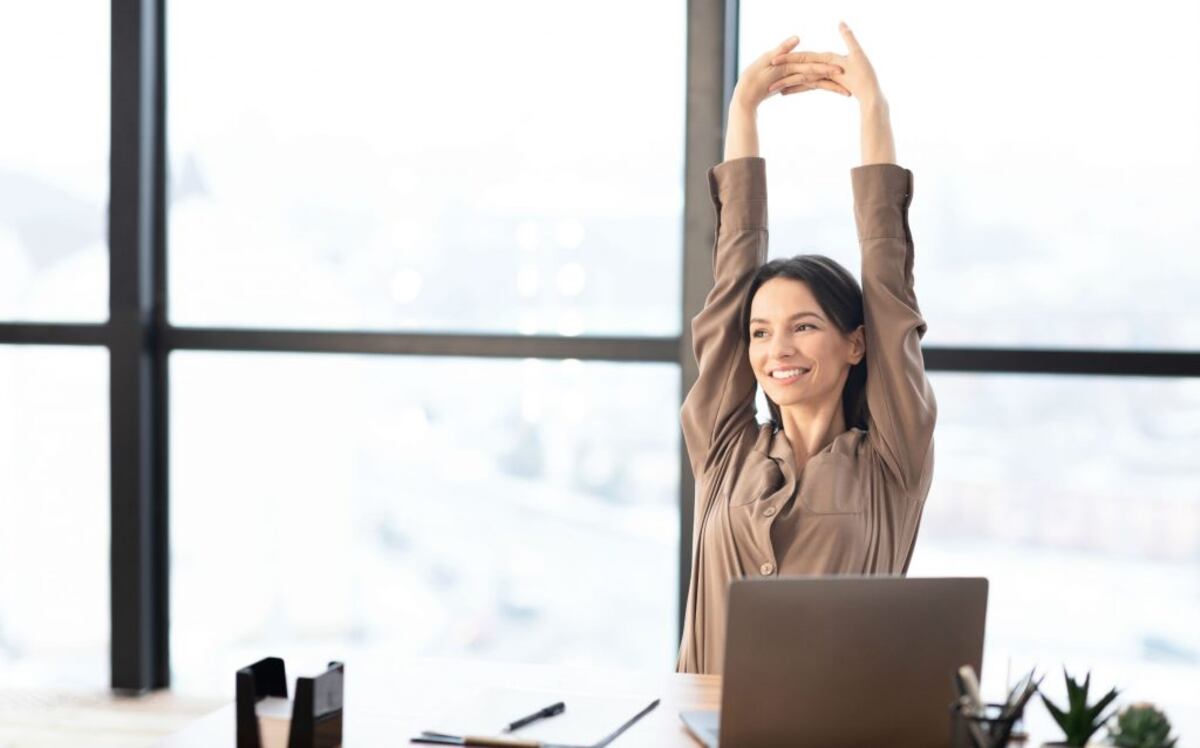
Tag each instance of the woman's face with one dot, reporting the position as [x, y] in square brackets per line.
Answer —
[798, 355]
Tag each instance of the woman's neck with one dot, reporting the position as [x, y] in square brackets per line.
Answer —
[811, 428]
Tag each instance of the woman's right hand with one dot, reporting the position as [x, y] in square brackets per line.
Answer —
[805, 71]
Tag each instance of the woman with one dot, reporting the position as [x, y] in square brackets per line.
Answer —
[835, 484]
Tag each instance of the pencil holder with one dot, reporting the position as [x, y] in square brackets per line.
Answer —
[988, 730]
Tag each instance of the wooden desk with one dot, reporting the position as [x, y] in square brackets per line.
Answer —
[386, 706]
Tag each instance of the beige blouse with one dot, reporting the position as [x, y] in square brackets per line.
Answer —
[856, 506]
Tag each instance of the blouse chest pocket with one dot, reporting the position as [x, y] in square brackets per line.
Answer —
[831, 485]
[755, 481]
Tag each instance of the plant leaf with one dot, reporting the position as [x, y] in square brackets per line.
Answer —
[1058, 714]
[1076, 697]
[1100, 706]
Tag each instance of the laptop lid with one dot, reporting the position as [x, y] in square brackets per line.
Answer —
[847, 661]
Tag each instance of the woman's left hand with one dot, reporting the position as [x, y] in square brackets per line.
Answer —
[858, 79]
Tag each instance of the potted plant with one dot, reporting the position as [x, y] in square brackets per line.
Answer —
[1080, 720]
[1141, 726]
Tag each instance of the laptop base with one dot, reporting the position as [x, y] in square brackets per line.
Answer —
[704, 725]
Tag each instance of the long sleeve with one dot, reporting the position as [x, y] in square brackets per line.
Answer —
[899, 396]
[721, 402]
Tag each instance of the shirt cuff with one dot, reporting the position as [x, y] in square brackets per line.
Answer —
[739, 192]
[882, 194]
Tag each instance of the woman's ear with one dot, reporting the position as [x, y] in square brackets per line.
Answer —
[858, 346]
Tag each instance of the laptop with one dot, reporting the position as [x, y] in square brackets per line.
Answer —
[844, 661]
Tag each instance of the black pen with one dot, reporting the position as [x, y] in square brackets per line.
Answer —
[549, 711]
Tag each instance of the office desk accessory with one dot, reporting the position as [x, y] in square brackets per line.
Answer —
[551, 711]
[976, 725]
[316, 713]
[971, 727]
[968, 685]
[437, 738]
[429, 736]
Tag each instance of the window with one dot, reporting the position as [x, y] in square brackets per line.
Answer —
[516, 510]
[54, 164]
[1047, 203]
[1079, 498]
[54, 575]
[427, 167]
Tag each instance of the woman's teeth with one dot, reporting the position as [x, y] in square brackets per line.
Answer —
[787, 373]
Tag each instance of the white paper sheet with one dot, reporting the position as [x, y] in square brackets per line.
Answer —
[585, 721]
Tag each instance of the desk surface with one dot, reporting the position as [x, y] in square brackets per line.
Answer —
[388, 710]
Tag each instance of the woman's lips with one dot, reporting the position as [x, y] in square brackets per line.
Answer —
[778, 379]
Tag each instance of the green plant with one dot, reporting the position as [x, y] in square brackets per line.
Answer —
[1080, 720]
[1141, 726]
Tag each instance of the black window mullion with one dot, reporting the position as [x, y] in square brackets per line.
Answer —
[650, 349]
[137, 370]
[1063, 361]
[712, 42]
[52, 333]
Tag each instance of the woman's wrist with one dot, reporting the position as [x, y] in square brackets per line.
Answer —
[873, 104]
[741, 130]
[741, 105]
[878, 145]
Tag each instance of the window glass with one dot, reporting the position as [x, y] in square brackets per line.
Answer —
[499, 167]
[54, 497]
[54, 161]
[1053, 205]
[393, 506]
[1079, 499]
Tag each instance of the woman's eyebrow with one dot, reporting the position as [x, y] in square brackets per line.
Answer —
[795, 316]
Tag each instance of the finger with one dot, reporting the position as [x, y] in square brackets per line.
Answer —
[785, 46]
[822, 69]
[848, 36]
[829, 85]
[796, 89]
[827, 57]
[795, 80]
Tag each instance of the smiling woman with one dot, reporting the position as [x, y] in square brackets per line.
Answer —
[785, 346]
[836, 483]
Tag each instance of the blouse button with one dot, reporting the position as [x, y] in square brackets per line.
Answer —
[769, 511]
[767, 569]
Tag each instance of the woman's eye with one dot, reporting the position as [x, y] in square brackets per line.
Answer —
[804, 326]
[758, 333]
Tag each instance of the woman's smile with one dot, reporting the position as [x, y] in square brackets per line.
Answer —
[785, 376]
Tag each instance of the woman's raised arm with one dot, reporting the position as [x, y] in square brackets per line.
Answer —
[721, 402]
[899, 395]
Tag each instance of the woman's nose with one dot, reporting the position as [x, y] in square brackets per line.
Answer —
[782, 347]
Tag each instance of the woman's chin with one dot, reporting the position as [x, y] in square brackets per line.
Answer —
[785, 396]
[794, 394]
